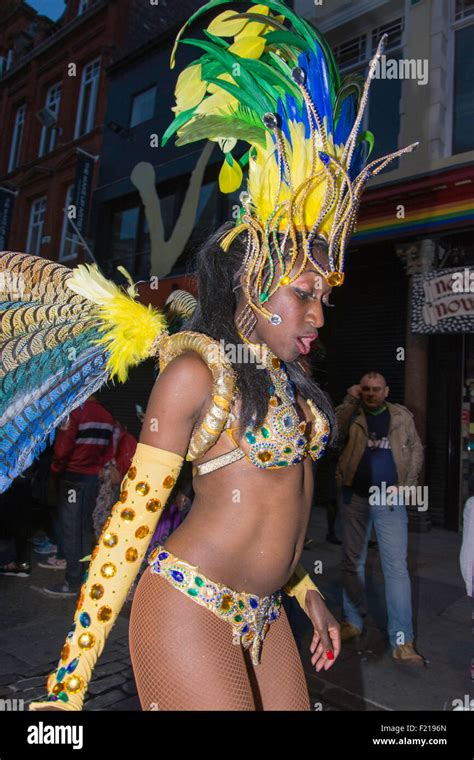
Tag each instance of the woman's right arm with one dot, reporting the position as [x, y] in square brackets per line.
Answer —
[175, 404]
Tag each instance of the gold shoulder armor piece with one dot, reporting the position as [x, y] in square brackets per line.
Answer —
[223, 388]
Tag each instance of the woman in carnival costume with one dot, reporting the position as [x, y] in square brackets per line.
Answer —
[207, 626]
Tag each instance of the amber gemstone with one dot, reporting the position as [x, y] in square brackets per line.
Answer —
[142, 531]
[169, 481]
[97, 591]
[334, 279]
[73, 684]
[226, 602]
[86, 640]
[123, 496]
[264, 456]
[127, 514]
[110, 539]
[275, 362]
[57, 688]
[132, 473]
[65, 652]
[108, 570]
[142, 487]
[131, 555]
[285, 280]
[104, 614]
[153, 505]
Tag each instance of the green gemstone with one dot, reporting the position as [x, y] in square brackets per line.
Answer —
[265, 432]
[241, 604]
[63, 697]
[250, 437]
[198, 581]
[237, 618]
[314, 448]
[264, 296]
[282, 464]
[287, 450]
[193, 591]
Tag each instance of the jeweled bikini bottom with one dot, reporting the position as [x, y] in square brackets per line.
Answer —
[249, 615]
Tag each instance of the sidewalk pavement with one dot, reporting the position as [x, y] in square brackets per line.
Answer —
[363, 678]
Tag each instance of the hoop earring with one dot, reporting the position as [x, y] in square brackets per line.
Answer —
[246, 321]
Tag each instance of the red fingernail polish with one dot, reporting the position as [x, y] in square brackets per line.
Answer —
[330, 655]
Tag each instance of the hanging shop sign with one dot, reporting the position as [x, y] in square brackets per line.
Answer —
[443, 301]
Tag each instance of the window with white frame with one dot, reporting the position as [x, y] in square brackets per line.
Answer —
[69, 248]
[49, 134]
[87, 98]
[35, 229]
[82, 7]
[16, 138]
[382, 113]
[463, 74]
[143, 106]
[463, 9]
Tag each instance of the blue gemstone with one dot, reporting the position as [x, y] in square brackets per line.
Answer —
[273, 616]
[60, 674]
[272, 389]
[72, 665]
[85, 619]
[301, 442]
[52, 698]
[245, 629]
[324, 157]
[287, 420]
[177, 575]
[163, 555]
[282, 365]
[253, 602]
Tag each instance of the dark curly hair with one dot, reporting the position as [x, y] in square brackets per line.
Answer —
[217, 281]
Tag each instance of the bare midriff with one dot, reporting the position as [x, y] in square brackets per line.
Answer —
[247, 526]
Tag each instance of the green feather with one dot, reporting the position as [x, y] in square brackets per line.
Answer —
[215, 39]
[251, 88]
[287, 38]
[260, 17]
[177, 122]
[369, 138]
[212, 127]
[264, 72]
[352, 84]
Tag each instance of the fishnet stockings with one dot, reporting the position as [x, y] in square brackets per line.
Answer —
[183, 657]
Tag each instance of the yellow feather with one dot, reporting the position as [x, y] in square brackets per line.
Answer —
[227, 239]
[129, 327]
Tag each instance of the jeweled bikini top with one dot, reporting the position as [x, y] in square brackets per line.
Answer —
[282, 439]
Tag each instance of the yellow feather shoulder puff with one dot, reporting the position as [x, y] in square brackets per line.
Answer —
[129, 327]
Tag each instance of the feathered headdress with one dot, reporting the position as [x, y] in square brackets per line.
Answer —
[268, 78]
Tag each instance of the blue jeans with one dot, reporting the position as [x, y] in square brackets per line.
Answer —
[77, 497]
[358, 517]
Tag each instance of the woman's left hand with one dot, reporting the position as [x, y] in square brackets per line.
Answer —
[326, 644]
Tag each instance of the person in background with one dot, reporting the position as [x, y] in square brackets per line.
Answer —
[81, 448]
[16, 512]
[123, 447]
[381, 447]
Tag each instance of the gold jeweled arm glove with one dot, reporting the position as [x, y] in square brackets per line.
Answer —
[115, 563]
[299, 583]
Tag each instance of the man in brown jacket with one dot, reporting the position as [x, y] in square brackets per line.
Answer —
[381, 458]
